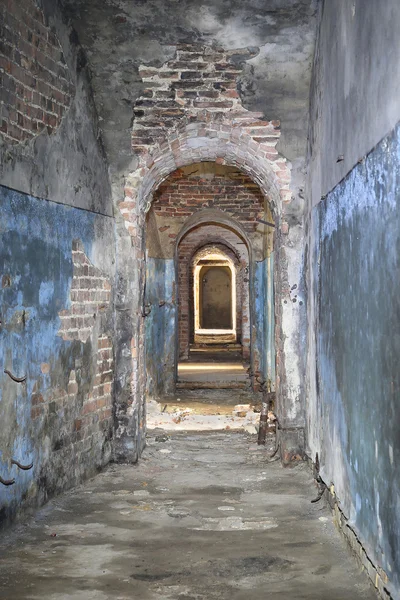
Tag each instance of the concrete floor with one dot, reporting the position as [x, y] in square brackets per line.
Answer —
[202, 516]
[211, 366]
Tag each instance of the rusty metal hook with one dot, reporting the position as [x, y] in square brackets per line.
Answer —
[7, 481]
[17, 379]
[321, 489]
[23, 467]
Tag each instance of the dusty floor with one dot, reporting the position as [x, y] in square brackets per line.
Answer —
[208, 366]
[203, 516]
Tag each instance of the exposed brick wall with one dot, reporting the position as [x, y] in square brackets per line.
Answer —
[77, 417]
[97, 404]
[198, 78]
[232, 192]
[81, 422]
[90, 293]
[228, 240]
[172, 130]
[35, 87]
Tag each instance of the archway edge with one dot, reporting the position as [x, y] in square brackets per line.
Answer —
[228, 143]
[212, 244]
[210, 216]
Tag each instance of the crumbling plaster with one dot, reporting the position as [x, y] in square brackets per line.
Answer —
[119, 36]
[69, 166]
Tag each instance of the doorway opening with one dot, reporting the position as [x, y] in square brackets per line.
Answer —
[214, 293]
[209, 283]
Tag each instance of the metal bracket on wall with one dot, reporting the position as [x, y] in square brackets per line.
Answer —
[146, 310]
[7, 481]
[17, 379]
[266, 223]
[20, 466]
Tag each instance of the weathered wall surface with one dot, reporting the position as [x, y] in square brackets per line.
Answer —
[57, 261]
[264, 325]
[160, 326]
[355, 87]
[354, 423]
[276, 42]
[49, 141]
[56, 264]
[353, 268]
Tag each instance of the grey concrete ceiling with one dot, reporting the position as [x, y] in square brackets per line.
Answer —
[120, 35]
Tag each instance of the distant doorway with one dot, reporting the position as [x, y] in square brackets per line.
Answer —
[215, 298]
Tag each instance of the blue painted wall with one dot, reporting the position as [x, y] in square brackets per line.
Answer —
[36, 255]
[264, 329]
[355, 424]
[160, 326]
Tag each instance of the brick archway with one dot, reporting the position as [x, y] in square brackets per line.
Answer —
[189, 243]
[243, 141]
[231, 141]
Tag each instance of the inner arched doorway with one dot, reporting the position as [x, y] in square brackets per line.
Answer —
[199, 207]
[214, 292]
[229, 141]
[215, 285]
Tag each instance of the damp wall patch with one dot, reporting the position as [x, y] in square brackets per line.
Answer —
[56, 265]
[355, 410]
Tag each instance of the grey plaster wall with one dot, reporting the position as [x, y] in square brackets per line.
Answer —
[353, 270]
[355, 87]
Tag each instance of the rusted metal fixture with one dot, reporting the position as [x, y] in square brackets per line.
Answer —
[17, 379]
[275, 452]
[20, 466]
[7, 481]
[321, 489]
[262, 431]
[266, 223]
[266, 406]
[320, 483]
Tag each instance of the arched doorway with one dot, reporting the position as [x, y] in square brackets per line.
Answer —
[228, 141]
[214, 293]
[198, 208]
[214, 313]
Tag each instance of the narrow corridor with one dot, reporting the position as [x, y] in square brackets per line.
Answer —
[202, 516]
[199, 299]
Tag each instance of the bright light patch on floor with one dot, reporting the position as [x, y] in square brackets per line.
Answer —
[211, 368]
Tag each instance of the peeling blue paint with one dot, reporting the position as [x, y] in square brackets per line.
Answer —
[264, 326]
[358, 348]
[160, 326]
[36, 253]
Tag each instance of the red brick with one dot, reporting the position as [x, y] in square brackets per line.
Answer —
[36, 75]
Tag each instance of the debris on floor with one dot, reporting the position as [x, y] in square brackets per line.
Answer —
[184, 418]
